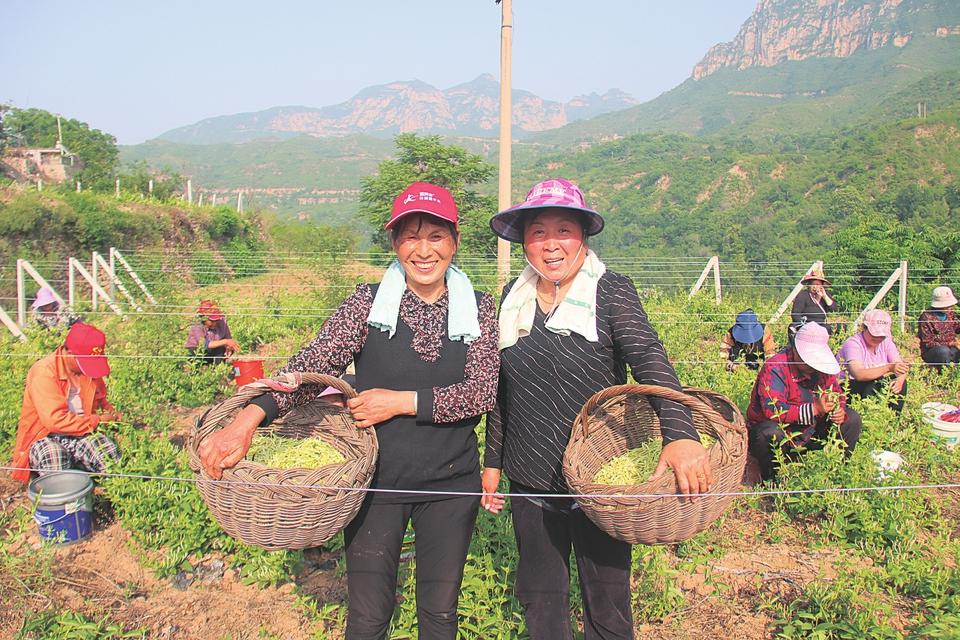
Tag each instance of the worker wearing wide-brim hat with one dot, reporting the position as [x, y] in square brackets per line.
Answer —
[938, 329]
[748, 340]
[569, 328]
[797, 402]
[814, 303]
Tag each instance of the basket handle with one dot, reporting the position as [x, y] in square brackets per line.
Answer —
[248, 392]
[649, 390]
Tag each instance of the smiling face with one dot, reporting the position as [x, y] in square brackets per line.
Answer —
[553, 242]
[425, 247]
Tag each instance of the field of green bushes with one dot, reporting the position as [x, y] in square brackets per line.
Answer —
[893, 570]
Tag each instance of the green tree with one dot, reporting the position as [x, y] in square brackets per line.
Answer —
[427, 159]
[136, 176]
[96, 149]
[4, 133]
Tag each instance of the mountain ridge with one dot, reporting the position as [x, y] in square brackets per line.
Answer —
[468, 108]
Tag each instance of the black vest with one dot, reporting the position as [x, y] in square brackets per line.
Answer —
[420, 456]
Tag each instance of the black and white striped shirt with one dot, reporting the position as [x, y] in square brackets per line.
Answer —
[546, 378]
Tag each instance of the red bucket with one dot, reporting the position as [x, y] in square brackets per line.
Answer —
[247, 371]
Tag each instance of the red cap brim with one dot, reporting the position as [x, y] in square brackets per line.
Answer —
[93, 366]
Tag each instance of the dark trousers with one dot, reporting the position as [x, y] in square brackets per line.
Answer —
[544, 537]
[373, 539]
[872, 387]
[208, 356]
[767, 436]
[941, 355]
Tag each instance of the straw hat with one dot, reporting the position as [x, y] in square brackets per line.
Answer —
[815, 273]
[942, 298]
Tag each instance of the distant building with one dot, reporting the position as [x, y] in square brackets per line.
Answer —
[30, 164]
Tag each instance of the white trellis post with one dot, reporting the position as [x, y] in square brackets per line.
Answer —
[793, 294]
[11, 325]
[899, 275]
[903, 296]
[118, 187]
[98, 264]
[115, 254]
[25, 268]
[713, 263]
[150, 186]
[74, 266]
[189, 191]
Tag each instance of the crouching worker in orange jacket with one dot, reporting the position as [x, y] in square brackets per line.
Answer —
[64, 401]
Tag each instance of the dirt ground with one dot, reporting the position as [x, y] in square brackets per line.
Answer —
[102, 576]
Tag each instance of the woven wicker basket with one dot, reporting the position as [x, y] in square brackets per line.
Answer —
[621, 418]
[279, 508]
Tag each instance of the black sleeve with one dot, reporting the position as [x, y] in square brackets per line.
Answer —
[640, 347]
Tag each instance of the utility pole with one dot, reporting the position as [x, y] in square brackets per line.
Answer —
[506, 135]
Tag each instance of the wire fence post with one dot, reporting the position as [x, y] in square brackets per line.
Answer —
[884, 290]
[100, 263]
[21, 296]
[75, 267]
[114, 253]
[713, 263]
[903, 295]
[96, 280]
[793, 294]
[11, 325]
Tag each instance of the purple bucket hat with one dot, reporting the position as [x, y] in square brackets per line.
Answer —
[549, 194]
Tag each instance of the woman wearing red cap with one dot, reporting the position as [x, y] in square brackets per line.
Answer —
[425, 349]
[569, 328]
[212, 333]
[64, 400]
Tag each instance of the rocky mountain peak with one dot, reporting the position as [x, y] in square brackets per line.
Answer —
[781, 30]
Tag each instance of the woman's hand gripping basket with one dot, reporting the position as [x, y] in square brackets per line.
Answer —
[621, 418]
[289, 508]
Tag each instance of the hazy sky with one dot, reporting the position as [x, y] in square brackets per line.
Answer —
[137, 69]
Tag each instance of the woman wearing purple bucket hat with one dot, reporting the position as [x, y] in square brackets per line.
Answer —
[569, 328]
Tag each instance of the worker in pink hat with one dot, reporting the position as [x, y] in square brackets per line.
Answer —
[64, 401]
[47, 313]
[210, 339]
[797, 401]
[570, 327]
[870, 358]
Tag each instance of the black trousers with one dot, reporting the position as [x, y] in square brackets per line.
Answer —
[373, 539]
[768, 435]
[941, 355]
[871, 387]
[544, 536]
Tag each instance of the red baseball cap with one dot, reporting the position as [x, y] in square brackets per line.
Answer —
[423, 197]
[87, 343]
[209, 309]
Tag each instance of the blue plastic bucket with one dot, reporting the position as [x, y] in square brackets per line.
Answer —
[64, 506]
